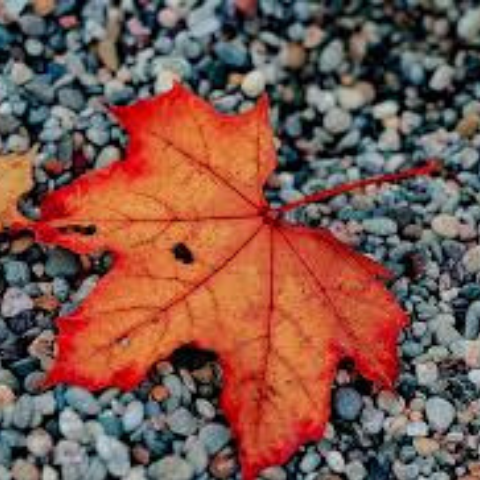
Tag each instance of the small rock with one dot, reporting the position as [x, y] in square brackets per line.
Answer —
[14, 302]
[355, 471]
[20, 73]
[82, 401]
[214, 437]
[232, 54]
[171, 467]
[24, 470]
[71, 425]
[445, 225]
[24, 412]
[332, 57]
[440, 413]
[293, 56]
[71, 98]
[61, 263]
[253, 84]
[7, 397]
[382, 226]
[471, 259]
[17, 274]
[196, 454]
[472, 321]
[468, 27]
[133, 416]
[107, 156]
[223, 465]
[335, 461]
[347, 403]
[426, 446]
[337, 121]
[427, 373]
[182, 422]
[442, 78]
[310, 462]
[115, 455]
[39, 443]
[351, 98]
[468, 125]
[417, 429]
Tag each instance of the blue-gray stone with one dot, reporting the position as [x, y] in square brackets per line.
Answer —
[347, 403]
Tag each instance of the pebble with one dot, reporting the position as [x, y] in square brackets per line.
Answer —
[71, 98]
[232, 54]
[115, 455]
[16, 273]
[253, 84]
[426, 446]
[107, 156]
[61, 263]
[82, 401]
[442, 78]
[196, 454]
[347, 403]
[39, 443]
[337, 121]
[468, 27]
[71, 425]
[23, 412]
[440, 413]
[351, 98]
[331, 57]
[335, 461]
[171, 467]
[445, 225]
[14, 302]
[472, 321]
[382, 226]
[310, 462]
[427, 373]
[355, 471]
[214, 437]
[24, 470]
[182, 422]
[133, 416]
[471, 259]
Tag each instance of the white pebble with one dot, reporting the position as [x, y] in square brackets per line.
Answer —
[253, 84]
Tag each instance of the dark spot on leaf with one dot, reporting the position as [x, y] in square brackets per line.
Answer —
[183, 254]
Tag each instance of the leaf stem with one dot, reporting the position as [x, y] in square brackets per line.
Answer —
[430, 167]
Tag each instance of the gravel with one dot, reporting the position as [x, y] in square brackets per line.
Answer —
[354, 91]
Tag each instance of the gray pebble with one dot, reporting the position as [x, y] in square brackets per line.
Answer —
[440, 413]
[115, 455]
[182, 422]
[468, 27]
[472, 321]
[61, 263]
[17, 273]
[382, 226]
[331, 57]
[347, 403]
[196, 454]
[39, 443]
[82, 401]
[71, 98]
[14, 302]
[71, 425]
[23, 412]
[337, 121]
[171, 467]
[133, 416]
[310, 462]
[214, 437]
[107, 156]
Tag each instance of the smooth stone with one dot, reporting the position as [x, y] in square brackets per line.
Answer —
[471, 259]
[24, 411]
[107, 156]
[253, 84]
[61, 263]
[382, 226]
[196, 454]
[171, 467]
[337, 121]
[445, 225]
[182, 422]
[71, 425]
[472, 321]
[14, 302]
[335, 461]
[347, 403]
[115, 455]
[17, 273]
[214, 437]
[82, 401]
[468, 27]
[39, 443]
[133, 416]
[440, 413]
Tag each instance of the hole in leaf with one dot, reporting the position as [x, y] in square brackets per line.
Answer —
[183, 254]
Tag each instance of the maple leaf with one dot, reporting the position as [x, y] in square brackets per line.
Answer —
[15, 179]
[200, 258]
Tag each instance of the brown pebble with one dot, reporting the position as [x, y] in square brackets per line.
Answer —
[425, 446]
[48, 303]
[293, 56]
[21, 244]
[159, 393]
[44, 7]
[7, 397]
[43, 348]
[141, 454]
[22, 470]
[223, 465]
[468, 125]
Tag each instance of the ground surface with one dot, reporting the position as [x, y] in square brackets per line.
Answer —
[357, 88]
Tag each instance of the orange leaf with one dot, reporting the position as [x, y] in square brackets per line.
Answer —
[15, 179]
[201, 259]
